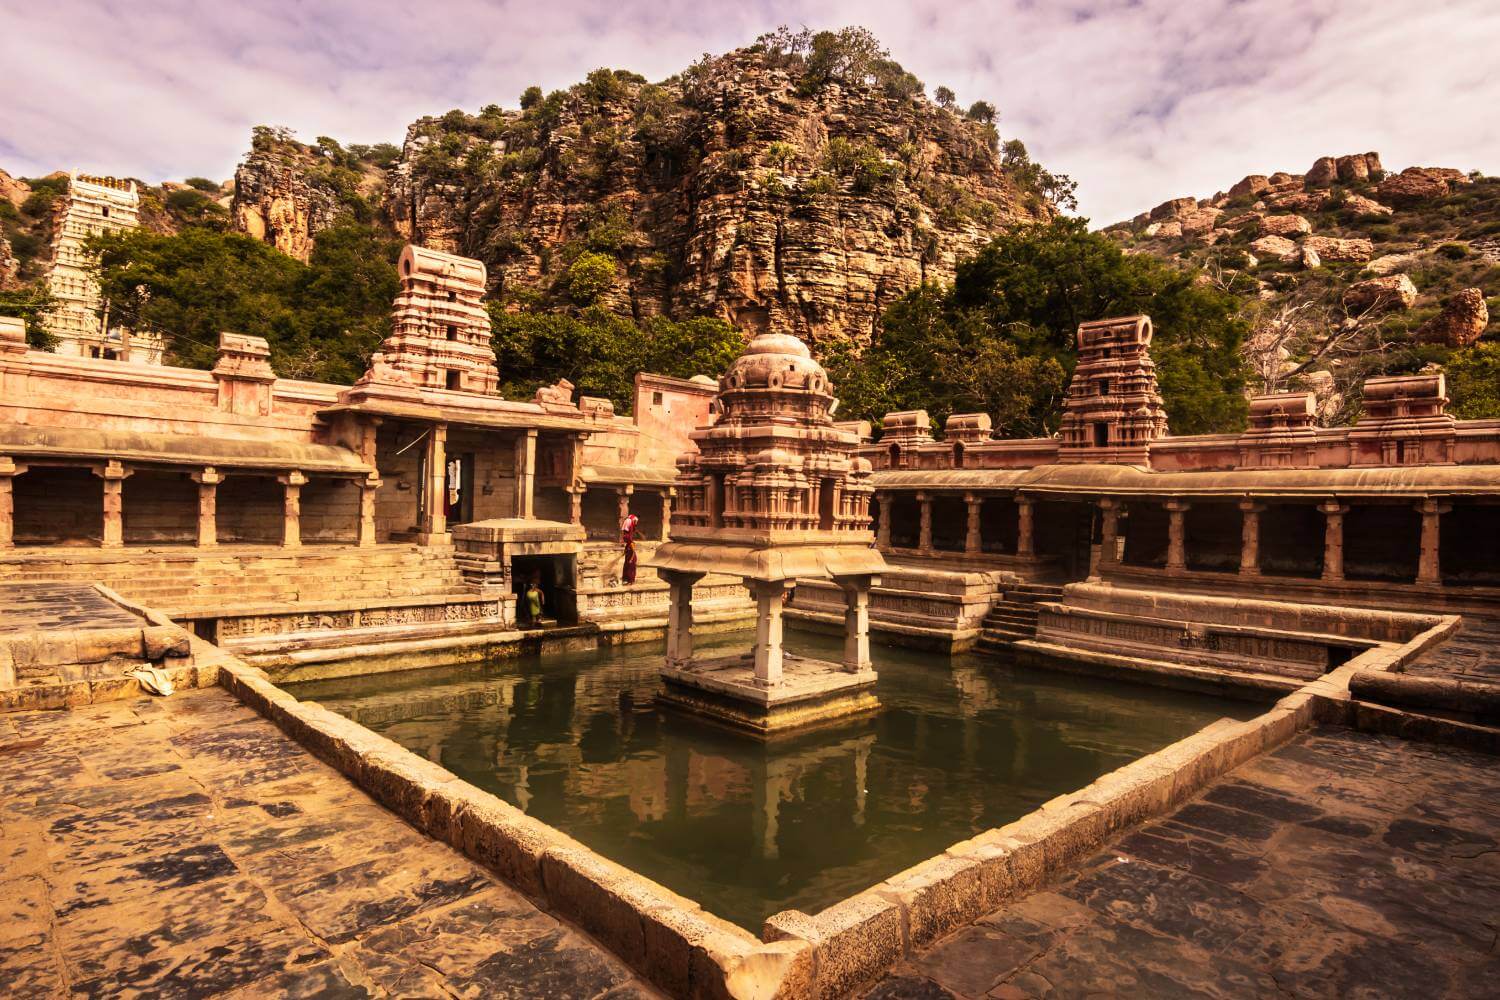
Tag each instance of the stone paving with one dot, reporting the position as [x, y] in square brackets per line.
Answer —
[44, 606]
[184, 847]
[1341, 865]
[1473, 654]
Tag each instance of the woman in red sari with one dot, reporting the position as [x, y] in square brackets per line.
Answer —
[627, 535]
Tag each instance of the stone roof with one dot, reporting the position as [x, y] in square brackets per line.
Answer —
[30, 443]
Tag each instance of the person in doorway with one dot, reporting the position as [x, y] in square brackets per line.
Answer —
[535, 601]
[627, 535]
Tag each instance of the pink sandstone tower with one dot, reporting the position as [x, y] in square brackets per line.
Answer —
[1113, 410]
[440, 332]
[774, 493]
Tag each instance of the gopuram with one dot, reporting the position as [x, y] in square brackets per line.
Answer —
[773, 494]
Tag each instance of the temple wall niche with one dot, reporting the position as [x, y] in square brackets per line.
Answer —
[906, 521]
[998, 525]
[1146, 535]
[949, 523]
[251, 510]
[1291, 540]
[58, 506]
[601, 514]
[159, 508]
[1214, 534]
[330, 511]
[1469, 550]
[1381, 542]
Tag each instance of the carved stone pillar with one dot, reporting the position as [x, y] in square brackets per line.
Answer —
[856, 622]
[291, 521]
[208, 481]
[1429, 568]
[680, 616]
[9, 469]
[666, 512]
[924, 534]
[369, 488]
[1333, 540]
[1250, 511]
[114, 475]
[1109, 531]
[768, 630]
[973, 538]
[525, 505]
[883, 523]
[575, 504]
[1025, 526]
[624, 493]
[1176, 534]
[435, 489]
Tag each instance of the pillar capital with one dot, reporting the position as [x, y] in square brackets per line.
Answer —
[1252, 506]
[1110, 503]
[294, 478]
[626, 490]
[1333, 508]
[1176, 506]
[207, 476]
[1429, 506]
[10, 467]
[113, 470]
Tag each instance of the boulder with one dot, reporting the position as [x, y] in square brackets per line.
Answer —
[1462, 321]
[1310, 259]
[1282, 181]
[1242, 220]
[1285, 225]
[1358, 167]
[1379, 295]
[1252, 185]
[1323, 172]
[1173, 209]
[1360, 205]
[1275, 246]
[1412, 185]
[1163, 230]
[1200, 220]
[1329, 248]
[1302, 201]
[1393, 262]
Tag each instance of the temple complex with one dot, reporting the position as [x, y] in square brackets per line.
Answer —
[81, 322]
[1291, 633]
[773, 495]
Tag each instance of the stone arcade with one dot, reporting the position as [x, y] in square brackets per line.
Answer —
[772, 495]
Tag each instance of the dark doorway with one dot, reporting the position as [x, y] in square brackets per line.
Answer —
[1064, 533]
[459, 499]
[825, 505]
[1469, 545]
[554, 574]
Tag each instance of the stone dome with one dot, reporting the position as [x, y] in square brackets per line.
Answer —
[776, 361]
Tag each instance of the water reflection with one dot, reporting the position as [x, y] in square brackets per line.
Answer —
[748, 829]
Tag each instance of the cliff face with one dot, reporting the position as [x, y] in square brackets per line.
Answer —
[276, 199]
[728, 190]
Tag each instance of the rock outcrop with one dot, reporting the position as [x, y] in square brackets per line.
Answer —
[1416, 184]
[1275, 246]
[1461, 323]
[1284, 225]
[275, 200]
[1378, 295]
[729, 190]
[1329, 248]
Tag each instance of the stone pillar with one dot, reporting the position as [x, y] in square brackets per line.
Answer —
[1250, 511]
[1026, 527]
[114, 475]
[435, 489]
[856, 622]
[624, 493]
[883, 523]
[666, 512]
[1429, 568]
[924, 535]
[9, 470]
[575, 504]
[1176, 534]
[208, 506]
[369, 488]
[680, 616]
[1333, 540]
[291, 529]
[1109, 531]
[526, 474]
[973, 537]
[768, 651]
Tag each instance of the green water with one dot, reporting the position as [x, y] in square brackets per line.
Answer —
[960, 745]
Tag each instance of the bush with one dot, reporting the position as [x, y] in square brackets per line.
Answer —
[531, 97]
[589, 276]
[203, 184]
[1454, 251]
[983, 111]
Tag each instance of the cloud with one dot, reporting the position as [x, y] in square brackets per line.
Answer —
[1138, 100]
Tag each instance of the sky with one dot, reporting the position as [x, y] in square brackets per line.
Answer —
[1137, 100]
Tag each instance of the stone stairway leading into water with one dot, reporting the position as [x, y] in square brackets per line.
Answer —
[1014, 618]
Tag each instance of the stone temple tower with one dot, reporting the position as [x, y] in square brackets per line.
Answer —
[774, 493]
[440, 332]
[1113, 410]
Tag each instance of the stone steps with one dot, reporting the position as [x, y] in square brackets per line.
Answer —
[1014, 618]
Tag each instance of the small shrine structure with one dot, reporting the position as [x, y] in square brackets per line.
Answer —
[774, 493]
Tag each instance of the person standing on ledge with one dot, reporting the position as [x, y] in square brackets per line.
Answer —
[627, 535]
[534, 601]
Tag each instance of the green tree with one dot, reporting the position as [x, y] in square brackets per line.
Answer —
[1001, 338]
[945, 98]
[531, 97]
[984, 112]
[1474, 381]
[588, 277]
[32, 303]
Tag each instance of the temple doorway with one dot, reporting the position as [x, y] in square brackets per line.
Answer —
[555, 577]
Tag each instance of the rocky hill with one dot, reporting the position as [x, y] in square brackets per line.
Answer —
[765, 186]
[1348, 270]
